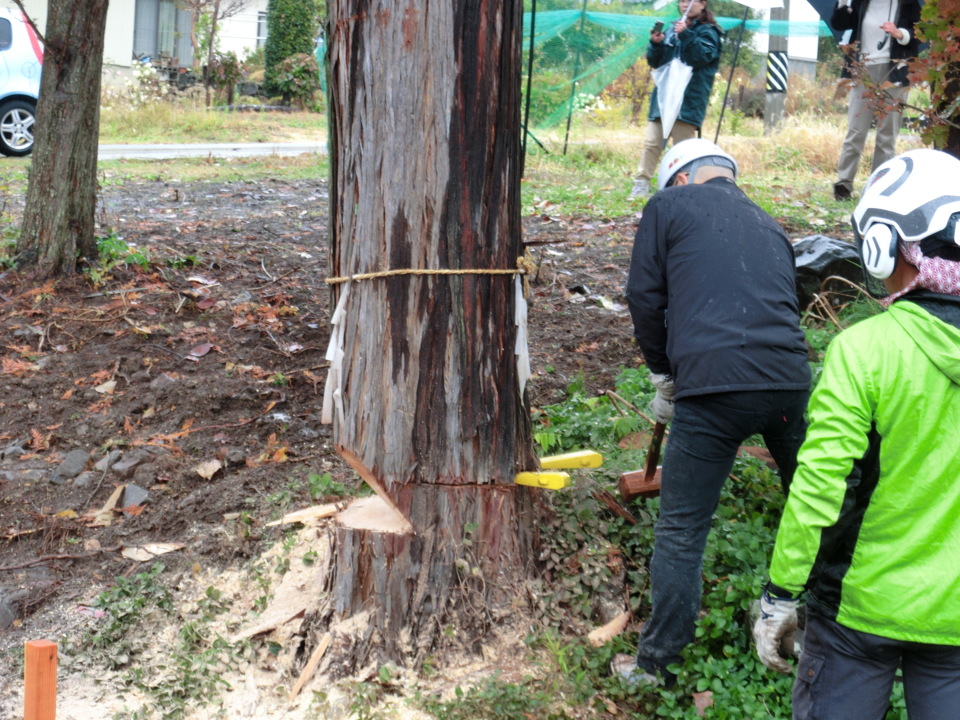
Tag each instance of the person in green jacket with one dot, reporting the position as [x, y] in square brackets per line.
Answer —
[696, 39]
[871, 529]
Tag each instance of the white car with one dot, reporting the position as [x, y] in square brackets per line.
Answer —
[21, 59]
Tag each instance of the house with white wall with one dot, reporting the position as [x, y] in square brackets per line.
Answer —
[157, 29]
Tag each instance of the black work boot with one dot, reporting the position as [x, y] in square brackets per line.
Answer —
[841, 191]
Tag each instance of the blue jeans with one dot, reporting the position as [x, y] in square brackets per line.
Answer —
[705, 434]
[846, 674]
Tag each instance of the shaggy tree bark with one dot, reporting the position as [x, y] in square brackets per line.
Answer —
[425, 175]
[58, 220]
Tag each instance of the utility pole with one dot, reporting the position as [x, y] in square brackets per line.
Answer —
[778, 67]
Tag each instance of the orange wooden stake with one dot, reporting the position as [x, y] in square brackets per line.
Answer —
[40, 680]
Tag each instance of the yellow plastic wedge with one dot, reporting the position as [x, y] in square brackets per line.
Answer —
[546, 480]
[578, 459]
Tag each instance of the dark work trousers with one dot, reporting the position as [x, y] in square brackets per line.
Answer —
[704, 437]
[846, 674]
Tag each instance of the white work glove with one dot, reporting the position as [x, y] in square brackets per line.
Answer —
[777, 621]
[662, 404]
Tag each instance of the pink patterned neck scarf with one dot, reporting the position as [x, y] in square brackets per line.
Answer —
[936, 274]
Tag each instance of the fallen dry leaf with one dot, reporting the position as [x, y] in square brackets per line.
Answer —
[9, 366]
[703, 700]
[201, 350]
[100, 376]
[47, 289]
[201, 280]
[144, 553]
[208, 469]
[101, 518]
[106, 388]
[38, 440]
[99, 406]
[601, 635]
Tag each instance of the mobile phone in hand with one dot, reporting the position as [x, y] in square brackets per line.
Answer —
[658, 26]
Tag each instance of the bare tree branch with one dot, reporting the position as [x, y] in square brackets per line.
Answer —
[219, 10]
[19, 4]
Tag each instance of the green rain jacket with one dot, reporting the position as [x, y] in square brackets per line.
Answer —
[871, 529]
[699, 47]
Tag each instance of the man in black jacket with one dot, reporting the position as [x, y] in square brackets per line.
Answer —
[883, 36]
[715, 312]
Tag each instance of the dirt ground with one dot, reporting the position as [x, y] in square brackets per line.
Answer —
[177, 404]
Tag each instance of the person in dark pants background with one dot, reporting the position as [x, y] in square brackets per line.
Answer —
[882, 31]
[712, 294]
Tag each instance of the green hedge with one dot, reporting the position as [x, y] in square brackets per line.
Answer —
[291, 29]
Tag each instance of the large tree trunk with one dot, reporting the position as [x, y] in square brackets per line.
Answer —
[58, 220]
[425, 175]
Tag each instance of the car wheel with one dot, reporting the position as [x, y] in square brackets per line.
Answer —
[17, 119]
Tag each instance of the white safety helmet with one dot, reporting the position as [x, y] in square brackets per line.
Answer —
[688, 156]
[913, 197]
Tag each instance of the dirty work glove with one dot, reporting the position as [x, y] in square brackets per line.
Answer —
[778, 619]
[662, 404]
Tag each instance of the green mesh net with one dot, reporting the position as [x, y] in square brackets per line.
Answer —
[578, 54]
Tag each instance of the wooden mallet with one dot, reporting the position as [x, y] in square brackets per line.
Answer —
[646, 482]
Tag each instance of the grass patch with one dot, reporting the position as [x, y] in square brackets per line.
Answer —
[14, 172]
[165, 122]
[185, 170]
[790, 173]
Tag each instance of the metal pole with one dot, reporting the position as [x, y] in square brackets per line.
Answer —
[576, 71]
[736, 55]
[526, 110]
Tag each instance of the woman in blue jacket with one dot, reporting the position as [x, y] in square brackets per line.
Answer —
[697, 41]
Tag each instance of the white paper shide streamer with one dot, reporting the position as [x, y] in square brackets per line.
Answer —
[521, 350]
[333, 389]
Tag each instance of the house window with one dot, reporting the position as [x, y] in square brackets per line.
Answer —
[167, 29]
[261, 29]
